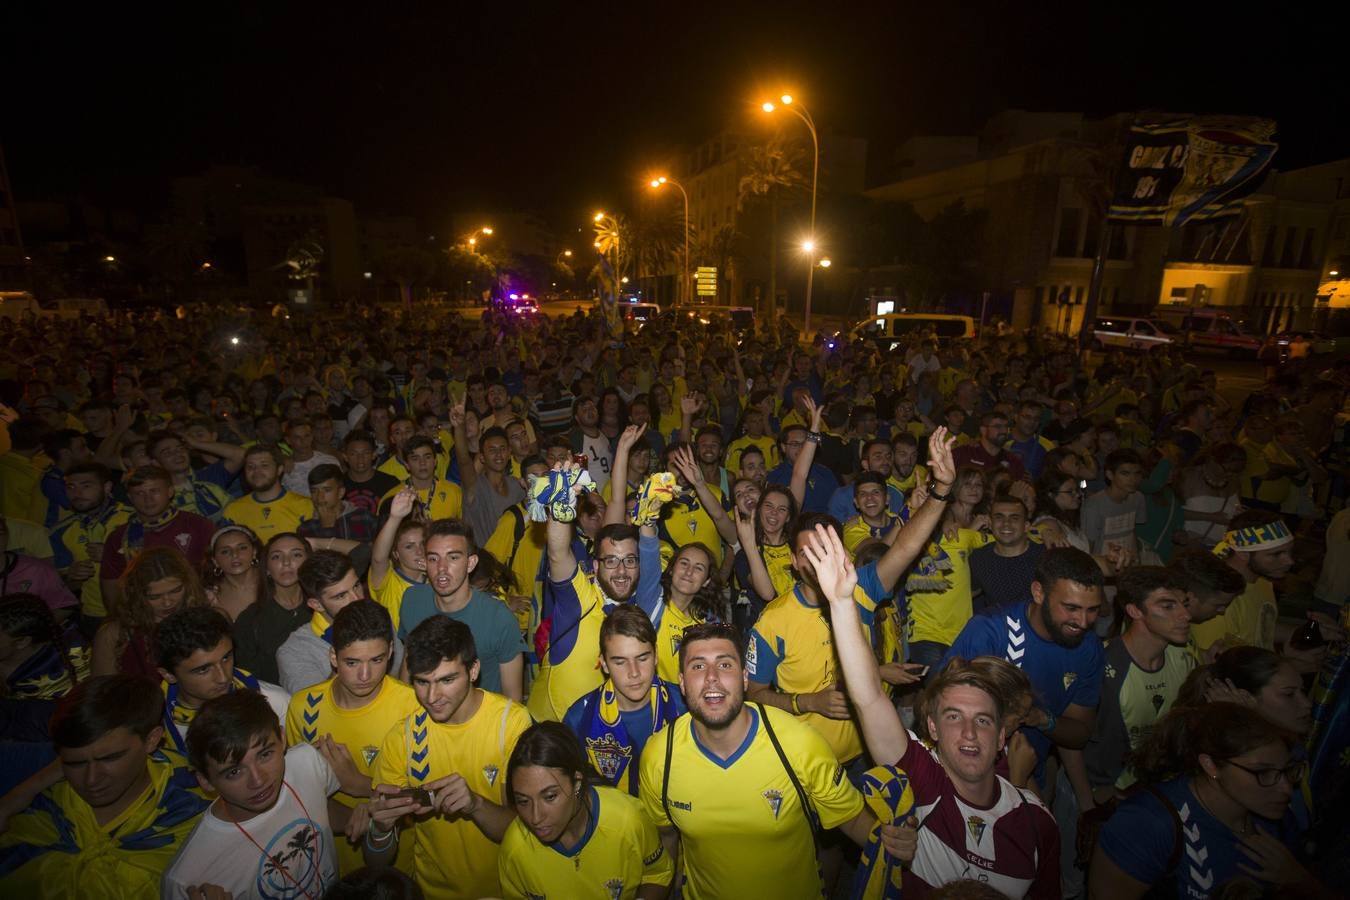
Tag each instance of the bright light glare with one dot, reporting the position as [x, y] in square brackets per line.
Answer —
[767, 107]
[234, 340]
[787, 99]
[110, 259]
[567, 253]
[473, 241]
[1334, 273]
[599, 216]
[515, 296]
[487, 231]
[655, 183]
[808, 246]
[825, 263]
[624, 280]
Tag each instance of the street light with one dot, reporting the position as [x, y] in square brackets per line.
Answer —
[684, 276]
[802, 113]
[825, 263]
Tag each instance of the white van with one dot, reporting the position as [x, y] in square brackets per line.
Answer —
[1210, 329]
[17, 304]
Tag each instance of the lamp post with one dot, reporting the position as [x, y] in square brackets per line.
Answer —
[684, 275]
[809, 245]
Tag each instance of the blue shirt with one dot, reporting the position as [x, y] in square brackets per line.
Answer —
[1060, 676]
[820, 485]
[1031, 452]
[842, 508]
[496, 633]
[638, 723]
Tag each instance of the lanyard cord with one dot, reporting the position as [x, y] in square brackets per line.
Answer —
[281, 866]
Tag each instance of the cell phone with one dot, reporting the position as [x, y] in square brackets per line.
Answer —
[420, 796]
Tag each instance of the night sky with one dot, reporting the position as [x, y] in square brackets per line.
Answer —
[565, 107]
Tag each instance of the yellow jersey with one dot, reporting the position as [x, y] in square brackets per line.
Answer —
[452, 858]
[740, 820]
[389, 592]
[79, 537]
[670, 624]
[856, 531]
[392, 466]
[443, 500]
[766, 444]
[919, 475]
[791, 646]
[685, 521]
[940, 615]
[619, 853]
[272, 517]
[314, 713]
[1249, 620]
[520, 543]
[570, 667]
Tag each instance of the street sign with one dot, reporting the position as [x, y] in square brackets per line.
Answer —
[705, 280]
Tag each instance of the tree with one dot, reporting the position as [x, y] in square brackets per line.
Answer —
[657, 241]
[774, 167]
[407, 266]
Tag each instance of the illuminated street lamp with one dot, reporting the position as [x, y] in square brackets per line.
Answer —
[472, 239]
[825, 263]
[802, 113]
[110, 259]
[684, 277]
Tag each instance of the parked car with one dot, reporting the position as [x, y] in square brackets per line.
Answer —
[641, 313]
[1129, 333]
[889, 329]
[1210, 329]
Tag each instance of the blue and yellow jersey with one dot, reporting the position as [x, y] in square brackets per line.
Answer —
[619, 853]
[767, 445]
[79, 538]
[201, 497]
[272, 517]
[570, 666]
[740, 818]
[313, 713]
[57, 848]
[46, 675]
[918, 476]
[856, 531]
[443, 500]
[685, 521]
[452, 858]
[792, 648]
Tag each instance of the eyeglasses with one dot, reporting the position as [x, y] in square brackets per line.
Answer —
[1292, 773]
[613, 562]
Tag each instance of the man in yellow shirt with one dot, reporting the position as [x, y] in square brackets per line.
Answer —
[440, 499]
[725, 783]
[874, 518]
[269, 509]
[77, 541]
[455, 750]
[1259, 547]
[355, 708]
[398, 557]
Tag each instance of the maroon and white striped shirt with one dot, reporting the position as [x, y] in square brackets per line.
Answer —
[1013, 845]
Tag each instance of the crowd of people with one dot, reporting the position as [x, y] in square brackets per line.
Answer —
[348, 604]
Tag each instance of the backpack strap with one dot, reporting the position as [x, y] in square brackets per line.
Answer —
[807, 808]
[1177, 848]
[665, 777]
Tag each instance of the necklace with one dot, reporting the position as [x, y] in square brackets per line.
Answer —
[277, 862]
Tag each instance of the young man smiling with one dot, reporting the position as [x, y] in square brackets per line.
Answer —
[615, 720]
[456, 749]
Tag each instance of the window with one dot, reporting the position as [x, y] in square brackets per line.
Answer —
[1143, 328]
[1305, 257]
[1268, 254]
[1181, 292]
[1290, 247]
[1070, 221]
[1094, 227]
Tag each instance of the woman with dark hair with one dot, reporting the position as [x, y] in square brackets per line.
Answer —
[1214, 813]
[574, 836]
[1059, 498]
[232, 581]
[160, 581]
[763, 568]
[262, 628]
[613, 414]
[691, 592]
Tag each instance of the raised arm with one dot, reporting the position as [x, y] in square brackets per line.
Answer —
[468, 474]
[562, 562]
[801, 469]
[759, 573]
[690, 405]
[231, 454]
[381, 551]
[886, 737]
[683, 461]
[616, 513]
[914, 536]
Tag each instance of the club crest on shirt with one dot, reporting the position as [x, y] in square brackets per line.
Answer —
[267, 512]
[184, 541]
[490, 773]
[775, 799]
[440, 495]
[975, 825]
[1069, 678]
[693, 526]
[609, 755]
[369, 753]
[615, 888]
[26, 586]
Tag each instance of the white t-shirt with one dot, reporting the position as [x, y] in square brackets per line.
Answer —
[277, 698]
[297, 479]
[295, 834]
[600, 458]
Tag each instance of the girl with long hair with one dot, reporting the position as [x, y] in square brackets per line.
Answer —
[232, 581]
[159, 581]
[262, 628]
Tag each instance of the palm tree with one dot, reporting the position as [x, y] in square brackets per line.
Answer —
[773, 168]
[658, 241]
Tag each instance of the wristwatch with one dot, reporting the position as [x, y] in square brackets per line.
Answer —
[933, 491]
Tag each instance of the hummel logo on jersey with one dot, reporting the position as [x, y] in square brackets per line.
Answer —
[687, 807]
[1069, 678]
[1017, 641]
[775, 799]
[490, 773]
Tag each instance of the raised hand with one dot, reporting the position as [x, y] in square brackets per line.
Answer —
[834, 569]
[630, 436]
[682, 459]
[940, 461]
[402, 504]
[457, 415]
[814, 410]
[690, 404]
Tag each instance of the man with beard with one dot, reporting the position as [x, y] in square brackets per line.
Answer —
[153, 522]
[790, 661]
[877, 457]
[575, 603]
[77, 541]
[587, 439]
[189, 492]
[452, 555]
[1050, 638]
[972, 821]
[1259, 547]
[708, 776]
[906, 473]
[987, 453]
[455, 748]
[268, 509]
